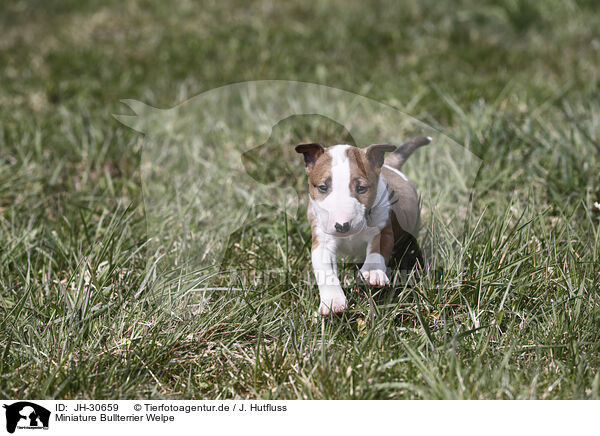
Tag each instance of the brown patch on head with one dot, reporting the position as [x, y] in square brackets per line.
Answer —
[318, 168]
[364, 173]
[319, 174]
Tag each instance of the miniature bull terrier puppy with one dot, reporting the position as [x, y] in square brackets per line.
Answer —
[360, 204]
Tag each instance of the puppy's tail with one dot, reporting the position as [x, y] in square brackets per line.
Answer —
[397, 158]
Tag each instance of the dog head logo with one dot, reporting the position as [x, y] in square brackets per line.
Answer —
[26, 415]
[213, 162]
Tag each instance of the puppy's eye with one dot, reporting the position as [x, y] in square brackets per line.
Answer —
[361, 189]
[322, 189]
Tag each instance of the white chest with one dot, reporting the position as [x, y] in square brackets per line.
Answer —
[354, 248]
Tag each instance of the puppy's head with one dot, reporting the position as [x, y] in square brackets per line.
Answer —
[342, 184]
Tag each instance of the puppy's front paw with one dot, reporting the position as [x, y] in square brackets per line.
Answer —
[375, 277]
[335, 304]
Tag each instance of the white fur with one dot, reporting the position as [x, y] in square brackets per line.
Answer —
[325, 268]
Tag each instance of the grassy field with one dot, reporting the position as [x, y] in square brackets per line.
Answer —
[90, 309]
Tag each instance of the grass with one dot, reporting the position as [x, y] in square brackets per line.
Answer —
[90, 309]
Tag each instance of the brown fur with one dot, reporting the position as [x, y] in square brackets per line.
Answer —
[313, 227]
[384, 243]
[319, 174]
[404, 201]
[398, 157]
[362, 173]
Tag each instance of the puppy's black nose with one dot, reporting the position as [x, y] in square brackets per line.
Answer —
[342, 228]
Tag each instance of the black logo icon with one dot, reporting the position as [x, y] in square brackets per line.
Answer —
[28, 415]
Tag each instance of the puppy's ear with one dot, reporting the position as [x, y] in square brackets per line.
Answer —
[311, 152]
[376, 153]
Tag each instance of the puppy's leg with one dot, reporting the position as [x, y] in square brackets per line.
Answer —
[332, 296]
[379, 251]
